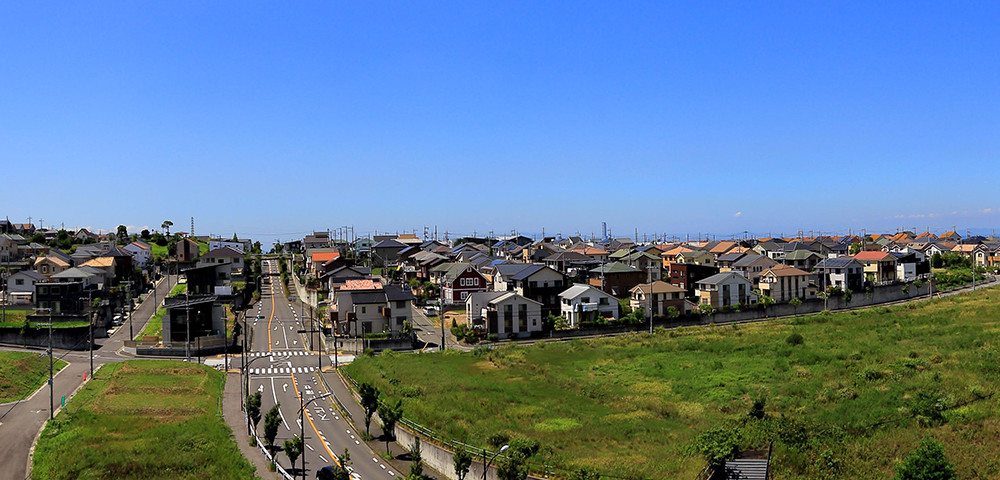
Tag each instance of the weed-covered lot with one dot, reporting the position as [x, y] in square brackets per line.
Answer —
[143, 420]
[847, 395]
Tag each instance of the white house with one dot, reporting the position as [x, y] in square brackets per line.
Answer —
[227, 257]
[21, 285]
[240, 246]
[140, 252]
[585, 302]
[725, 289]
[505, 314]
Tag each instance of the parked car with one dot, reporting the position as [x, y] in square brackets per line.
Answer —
[430, 311]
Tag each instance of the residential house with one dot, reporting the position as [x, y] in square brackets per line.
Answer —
[386, 252]
[188, 250]
[596, 253]
[617, 278]
[536, 282]
[752, 265]
[21, 285]
[802, 259]
[334, 279]
[696, 257]
[86, 278]
[359, 312]
[619, 243]
[687, 276]
[975, 252]
[669, 256]
[50, 265]
[582, 303]
[845, 273]
[657, 297]
[564, 261]
[645, 261]
[725, 289]
[910, 265]
[316, 240]
[227, 260]
[190, 317]
[783, 283]
[107, 266]
[880, 267]
[140, 252]
[725, 261]
[399, 307]
[504, 314]
[950, 236]
[8, 249]
[458, 281]
[240, 245]
[61, 297]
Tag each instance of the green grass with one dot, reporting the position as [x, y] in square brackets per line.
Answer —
[632, 406]
[155, 325]
[82, 323]
[22, 373]
[143, 419]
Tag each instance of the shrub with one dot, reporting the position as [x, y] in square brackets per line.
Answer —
[795, 339]
[926, 462]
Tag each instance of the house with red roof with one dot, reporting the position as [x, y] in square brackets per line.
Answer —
[879, 267]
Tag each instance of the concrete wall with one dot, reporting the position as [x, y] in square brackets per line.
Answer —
[72, 338]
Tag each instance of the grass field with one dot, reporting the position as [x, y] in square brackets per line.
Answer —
[155, 325]
[143, 419]
[22, 373]
[848, 401]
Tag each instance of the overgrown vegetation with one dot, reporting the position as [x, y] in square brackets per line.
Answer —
[143, 419]
[22, 373]
[845, 393]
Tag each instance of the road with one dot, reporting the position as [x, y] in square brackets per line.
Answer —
[284, 370]
[21, 421]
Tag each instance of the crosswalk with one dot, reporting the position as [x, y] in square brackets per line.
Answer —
[281, 370]
[278, 353]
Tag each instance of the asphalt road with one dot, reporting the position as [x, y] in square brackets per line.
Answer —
[284, 370]
[21, 421]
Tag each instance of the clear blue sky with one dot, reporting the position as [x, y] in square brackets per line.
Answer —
[272, 119]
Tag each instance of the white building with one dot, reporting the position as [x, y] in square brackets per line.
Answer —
[582, 301]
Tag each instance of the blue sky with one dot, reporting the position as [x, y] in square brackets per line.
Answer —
[272, 119]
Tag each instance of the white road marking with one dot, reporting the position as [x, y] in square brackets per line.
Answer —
[310, 448]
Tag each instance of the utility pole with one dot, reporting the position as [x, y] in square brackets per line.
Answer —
[93, 317]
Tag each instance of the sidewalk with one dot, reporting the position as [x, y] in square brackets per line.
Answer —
[232, 412]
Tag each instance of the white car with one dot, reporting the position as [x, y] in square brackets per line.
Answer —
[430, 311]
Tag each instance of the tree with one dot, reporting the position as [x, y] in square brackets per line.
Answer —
[122, 235]
[463, 461]
[390, 414]
[416, 465]
[369, 402]
[498, 440]
[166, 226]
[144, 234]
[271, 422]
[673, 312]
[336, 472]
[854, 249]
[235, 237]
[927, 462]
[293, 448]
[253, 408]
[513, 467]
[717, 445]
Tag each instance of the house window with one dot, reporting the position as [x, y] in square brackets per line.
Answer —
[364, 309]
[19, 281]
[532, 284]
[465, 295]
[399, 303]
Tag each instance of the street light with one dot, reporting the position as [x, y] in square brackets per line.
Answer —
[486, 465]
[302, 426]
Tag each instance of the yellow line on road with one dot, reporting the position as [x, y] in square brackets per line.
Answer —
[313, 425]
